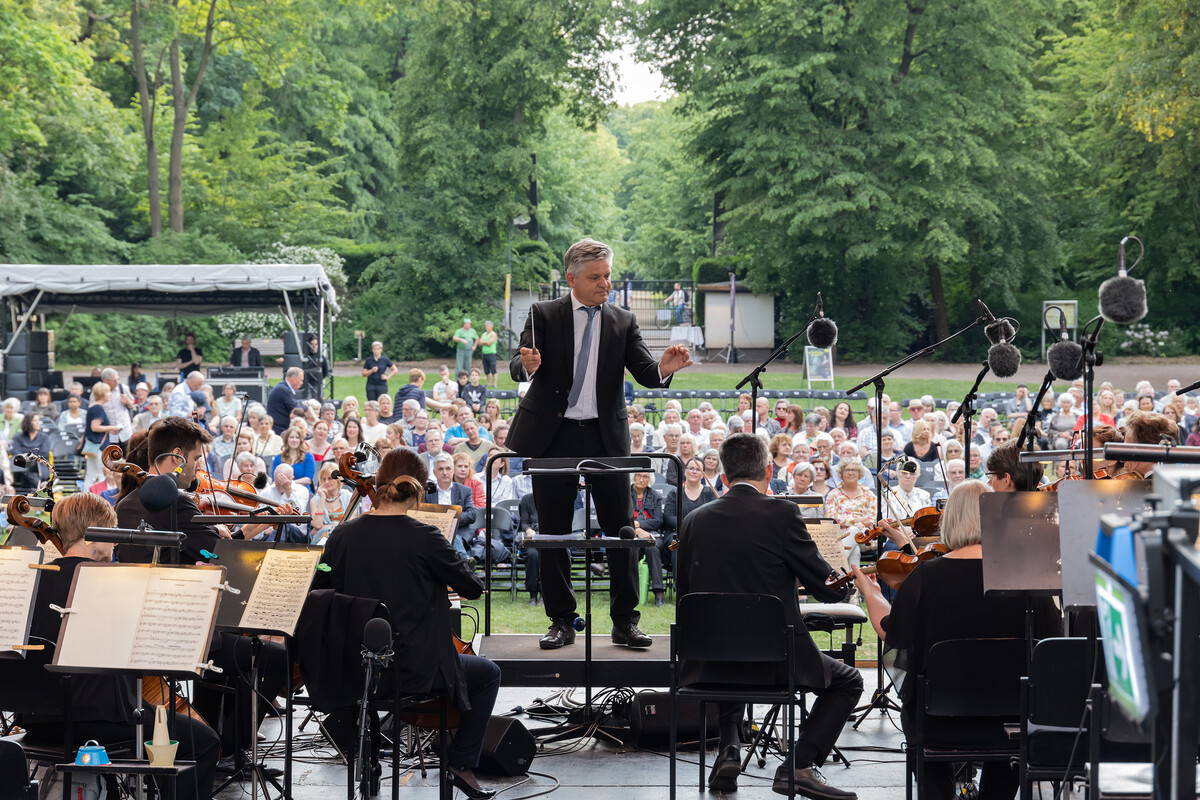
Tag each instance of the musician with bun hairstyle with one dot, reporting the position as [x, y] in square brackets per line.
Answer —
[388, 556]
[102, 706]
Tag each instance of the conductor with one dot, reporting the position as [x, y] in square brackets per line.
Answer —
[575, 350]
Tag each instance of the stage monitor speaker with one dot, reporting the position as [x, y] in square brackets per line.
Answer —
[508, 748]
[650, 722]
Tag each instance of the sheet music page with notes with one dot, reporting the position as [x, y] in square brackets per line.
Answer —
[284, 579]
[828, 537]
[444, 518]
[139, 618]
[17, 586]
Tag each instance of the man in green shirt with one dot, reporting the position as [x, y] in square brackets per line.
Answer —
[487, 351]
[465, 339]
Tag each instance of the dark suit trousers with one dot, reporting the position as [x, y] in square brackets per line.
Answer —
[555, 500]
[819, 732]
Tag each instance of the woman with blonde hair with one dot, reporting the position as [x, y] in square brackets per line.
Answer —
[943, 599]
[295, 452]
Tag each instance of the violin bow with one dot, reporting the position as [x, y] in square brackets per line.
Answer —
[236, 436]
[942, 464]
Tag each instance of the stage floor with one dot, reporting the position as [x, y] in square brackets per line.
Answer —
[522, 662]
[595, 771]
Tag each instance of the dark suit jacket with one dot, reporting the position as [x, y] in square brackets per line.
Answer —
[540, 413]
[459, 496]
[280, 403]
[253, 358]
[652, 504]
[748, 543]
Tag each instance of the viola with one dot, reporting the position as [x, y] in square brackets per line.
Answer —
[925, 522]
[18, 510]
[893, 567]
[1097, 475]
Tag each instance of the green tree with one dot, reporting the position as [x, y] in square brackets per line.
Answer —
[885, 153]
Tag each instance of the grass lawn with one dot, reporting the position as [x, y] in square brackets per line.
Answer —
[518, 617]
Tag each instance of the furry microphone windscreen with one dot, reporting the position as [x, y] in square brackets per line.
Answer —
[1123, 299]
[1004, 359]
[1066, 360]
[999, 331]
[260, 480]
[822, 333]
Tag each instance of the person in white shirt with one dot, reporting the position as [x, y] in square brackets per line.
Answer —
[902, 428]
[120, 401]
[906, 498]
[180, 402]
[286, 490]
[695, 423]
[956, 473]
[373, 430]
[444, 391]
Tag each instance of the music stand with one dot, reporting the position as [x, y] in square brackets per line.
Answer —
[1019, 532]
[20, 569]
[282, 581]
[583, 466]
[1080, 506]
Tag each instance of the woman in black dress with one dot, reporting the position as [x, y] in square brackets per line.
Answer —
[388, 556]
[943, 599]
[921, 447]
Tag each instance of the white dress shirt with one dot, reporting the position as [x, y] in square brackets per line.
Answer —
[585, 404]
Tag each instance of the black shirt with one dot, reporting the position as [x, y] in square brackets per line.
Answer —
[474, 395]
[185, 358]
[943, 599]
[376, 378]
[131, 512]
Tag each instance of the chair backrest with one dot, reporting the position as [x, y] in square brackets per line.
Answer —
[501, 519]
[1059, 681]
[14, 773]
[715, 626]
[975, 678]
[27, 687]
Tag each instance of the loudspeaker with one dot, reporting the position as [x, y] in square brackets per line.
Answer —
[650, 722]
[16, 384]
[41, 341]
[22, 343]
[290, 346]
[508, 748]
[290, 360]
[16, 362]
[49, 378]
[41, 360]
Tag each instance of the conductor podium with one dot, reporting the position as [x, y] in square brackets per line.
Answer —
[519, 656]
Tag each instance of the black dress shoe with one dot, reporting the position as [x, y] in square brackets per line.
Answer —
[723, 777]
[466, 784]
[560, 633]
[809, 783]
[629, 635]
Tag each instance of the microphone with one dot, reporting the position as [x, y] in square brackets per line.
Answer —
[1123, 299]
[159, 492]
[121, 536]
[627, 532]
[822, 332]
[377, 649]
[1003, 358]
[1064, 357]
[21, 460]
[260, 480]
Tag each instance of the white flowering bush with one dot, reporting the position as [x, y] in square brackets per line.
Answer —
[1141, 340]
[269, 326]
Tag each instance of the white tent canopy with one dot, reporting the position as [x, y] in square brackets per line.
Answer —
[166, 289]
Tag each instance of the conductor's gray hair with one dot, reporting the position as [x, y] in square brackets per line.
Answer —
[583, 251]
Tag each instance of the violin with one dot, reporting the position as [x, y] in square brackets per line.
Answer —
[241, 492]
[925, 522]
[893, 567]
[18, 510]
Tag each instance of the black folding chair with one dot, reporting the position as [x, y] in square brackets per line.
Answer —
[976, 678]
[15, 780]
[742, 628]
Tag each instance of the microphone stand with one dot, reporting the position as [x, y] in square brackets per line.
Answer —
[967, 411]
[880, 699]
[1027, 428]
[755, 379]
[877, 380]
[1091, 359]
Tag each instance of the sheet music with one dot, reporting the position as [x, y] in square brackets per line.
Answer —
[173, 630]
[139, 617]
[17, 585]
[444, 518]
[283, 582]
[831, 546]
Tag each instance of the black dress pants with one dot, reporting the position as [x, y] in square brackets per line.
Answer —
[820, 731]
[554, 497]
[232, 715]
